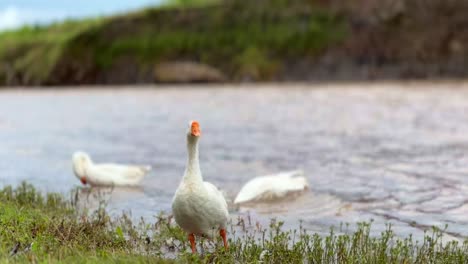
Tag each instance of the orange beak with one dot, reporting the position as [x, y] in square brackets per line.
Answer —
[195, 129]
[83, 180]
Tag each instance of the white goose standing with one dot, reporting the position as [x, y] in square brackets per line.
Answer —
[198, 207]
[106, 174]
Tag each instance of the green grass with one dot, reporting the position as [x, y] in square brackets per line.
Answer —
[49, 228]
[189, 3]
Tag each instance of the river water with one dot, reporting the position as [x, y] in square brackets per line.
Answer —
[392, 152]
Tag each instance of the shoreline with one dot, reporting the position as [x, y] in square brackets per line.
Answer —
[333, 84]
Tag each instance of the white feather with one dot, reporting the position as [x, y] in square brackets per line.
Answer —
[271, 187]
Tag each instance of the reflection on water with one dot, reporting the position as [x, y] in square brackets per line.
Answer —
[389, 152]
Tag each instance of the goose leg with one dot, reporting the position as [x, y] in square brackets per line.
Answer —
[222, 232]
[191, 238]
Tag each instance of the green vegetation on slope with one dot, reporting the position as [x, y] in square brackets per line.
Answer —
[232, 40]
[189, 3]
[48, 228]
[33, 51]
[250, 39]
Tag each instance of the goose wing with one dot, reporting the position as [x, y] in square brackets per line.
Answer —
[271, 186]
[108, 174]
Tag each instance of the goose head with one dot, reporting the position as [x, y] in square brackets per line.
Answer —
[194, 131]
[81, 161]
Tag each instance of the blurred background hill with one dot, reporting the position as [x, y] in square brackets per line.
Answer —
[235, 40]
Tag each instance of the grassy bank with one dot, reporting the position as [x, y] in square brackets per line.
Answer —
[241, 39]
[29, 55]
[236, 40]
[48, 228]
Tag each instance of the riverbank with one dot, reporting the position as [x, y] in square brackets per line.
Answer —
[239, 41]
[48, 227]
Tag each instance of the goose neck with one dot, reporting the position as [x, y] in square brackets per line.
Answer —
[193, 172]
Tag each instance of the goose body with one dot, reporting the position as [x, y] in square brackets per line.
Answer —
[108, 174]
[271, 187]
[199, 208]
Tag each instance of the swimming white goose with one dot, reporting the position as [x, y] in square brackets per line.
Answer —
[106, 174]
[271, 187]
[198, 207]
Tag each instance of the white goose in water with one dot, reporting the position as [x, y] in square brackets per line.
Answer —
[271, 187]
[106, 174]
[198, 207]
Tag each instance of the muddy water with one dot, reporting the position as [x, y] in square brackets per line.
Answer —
[392, 152]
